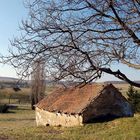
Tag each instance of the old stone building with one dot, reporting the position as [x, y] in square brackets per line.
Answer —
[76, 106]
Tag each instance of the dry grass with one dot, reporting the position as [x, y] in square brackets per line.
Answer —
[23, 94]
[20, 125]
[8, 95]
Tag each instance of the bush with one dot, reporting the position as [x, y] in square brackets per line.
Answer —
[134, 98]
[3, 108]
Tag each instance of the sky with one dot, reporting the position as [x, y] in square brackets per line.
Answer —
[11, 14]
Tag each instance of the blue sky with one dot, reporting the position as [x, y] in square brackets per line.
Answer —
[11, 14]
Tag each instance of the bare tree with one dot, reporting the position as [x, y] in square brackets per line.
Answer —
[38, 82]
[79, 39]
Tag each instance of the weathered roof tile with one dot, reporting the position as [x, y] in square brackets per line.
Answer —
[72, 100]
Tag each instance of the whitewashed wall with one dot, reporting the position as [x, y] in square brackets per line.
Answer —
[57, 119]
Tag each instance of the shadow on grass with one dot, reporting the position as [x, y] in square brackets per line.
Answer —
[13, 108]
[9, 112]
[17, 119]
[23, 109]
[103, 118]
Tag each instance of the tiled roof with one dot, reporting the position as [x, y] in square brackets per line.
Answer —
[71, 100]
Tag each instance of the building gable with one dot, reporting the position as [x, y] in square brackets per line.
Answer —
[109, 102]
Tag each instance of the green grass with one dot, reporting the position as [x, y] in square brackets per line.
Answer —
[20, 125]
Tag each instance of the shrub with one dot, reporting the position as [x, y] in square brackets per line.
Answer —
[3, 108]
[134, 98]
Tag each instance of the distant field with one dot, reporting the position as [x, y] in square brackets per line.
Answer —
[20, 125]
[123, 88]
[8, 95]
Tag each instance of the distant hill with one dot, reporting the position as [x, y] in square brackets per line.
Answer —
[118, 82]
[12, 82]
[8, 79]
[48, 82]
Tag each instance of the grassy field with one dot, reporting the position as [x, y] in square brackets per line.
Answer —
[20, 124]
[9, 96]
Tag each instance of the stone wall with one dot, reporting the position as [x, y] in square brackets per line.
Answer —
[46, 118]
[109, 102]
